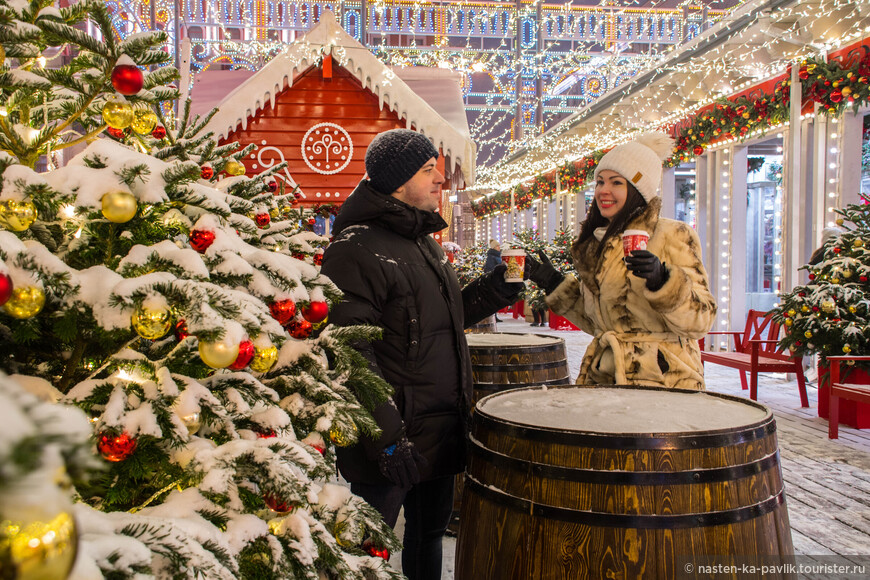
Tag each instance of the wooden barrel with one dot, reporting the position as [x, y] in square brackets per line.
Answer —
[485, 326]
[508, 360]
[618, 482]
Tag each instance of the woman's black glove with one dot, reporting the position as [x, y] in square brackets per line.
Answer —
[543, 273]
[644, 264]
[506, 289]
[398, 463]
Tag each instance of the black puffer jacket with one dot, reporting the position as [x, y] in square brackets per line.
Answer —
[394, 275]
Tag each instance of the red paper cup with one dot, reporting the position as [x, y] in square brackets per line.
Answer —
[516, 262]
[634, 240]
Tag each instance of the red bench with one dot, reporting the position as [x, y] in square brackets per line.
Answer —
[756, 351]
[852, 392]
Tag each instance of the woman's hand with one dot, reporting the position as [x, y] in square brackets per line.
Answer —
[645, 264]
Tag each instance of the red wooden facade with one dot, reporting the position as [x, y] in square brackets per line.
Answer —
[321, 94]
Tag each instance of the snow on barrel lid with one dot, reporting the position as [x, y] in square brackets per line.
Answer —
[508, 339]
[621, 410]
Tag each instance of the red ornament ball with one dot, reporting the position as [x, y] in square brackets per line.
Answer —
[318, 259]
[320, 448]
[246, 354]
[698, 149]
[278, 505]
[283, 310]
[315, 311]
[311, 221]
[375, 551]
[159, 132]
[200, 240]
[116, 448]
[181, 330]
[5, 288]
[262, 219]
[207, 172]
[272, 185]
[812, 276]
[837, 250]
[127, 79]
[116, 133]
[298, 255]
[815, 308]
[862, 278]
[300, 329]
[267, 434]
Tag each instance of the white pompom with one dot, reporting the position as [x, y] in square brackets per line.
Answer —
[661, 144]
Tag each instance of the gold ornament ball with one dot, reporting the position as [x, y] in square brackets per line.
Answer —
[119, 206]
[36, 550]
[847, 273]
[859, 243]
[193, 422]
[847, 349]
[218, 354]
[264, 359]
[274, 213]
[343, 438]
[151, 323]
[808, 334]
[792, 312]
[805, 308]
[234, 168]
[26, 301]
[17, 216]
[840, 221]
[118, 114]
[853, 309]
[828, 306]
[144, 121]
[835, 280]
[788, 322]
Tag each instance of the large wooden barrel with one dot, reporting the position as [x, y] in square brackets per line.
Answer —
[508, 360]
[618, 482]
[485, 326]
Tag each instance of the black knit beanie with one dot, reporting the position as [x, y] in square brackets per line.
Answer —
[395, 156]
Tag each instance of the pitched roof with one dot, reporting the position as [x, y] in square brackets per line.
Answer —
[327, 37]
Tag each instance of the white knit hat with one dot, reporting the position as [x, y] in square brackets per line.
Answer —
[640, 161]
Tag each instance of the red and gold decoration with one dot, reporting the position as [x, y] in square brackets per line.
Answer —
[144, 121]
[6, 287]
[300, 329]
[152, 322]
[262, 220]
[265, 357]
[127, 79]
[114, 447]
[117, 113]
[119, 206]
[200, 240]
[315, 311]
[376, 551]
[234, 168]
[17, 216]
[283, 310]
[278, 505]
[246, 355]
[25, 302]
[218, 354]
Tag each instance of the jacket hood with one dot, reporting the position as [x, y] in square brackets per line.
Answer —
[365, 205]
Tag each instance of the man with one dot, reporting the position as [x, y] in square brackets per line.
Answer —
[395, 276]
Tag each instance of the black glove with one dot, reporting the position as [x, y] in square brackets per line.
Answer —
[506, 289]
[543, 273]
[398, 463]
[644, 264]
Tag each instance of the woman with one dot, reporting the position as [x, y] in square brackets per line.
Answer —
[646, 310]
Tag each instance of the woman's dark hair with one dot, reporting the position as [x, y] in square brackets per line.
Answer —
[634, 206]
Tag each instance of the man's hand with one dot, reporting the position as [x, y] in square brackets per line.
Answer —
[543, 273]
[504, 288]
[645, 264]
[398, 463]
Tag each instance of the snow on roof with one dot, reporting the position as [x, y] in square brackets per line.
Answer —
[327, 37]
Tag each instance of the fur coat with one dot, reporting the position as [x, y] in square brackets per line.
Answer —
[640, 337]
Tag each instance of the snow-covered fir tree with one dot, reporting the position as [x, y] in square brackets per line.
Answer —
[830, 315]
[468, 262]
[143, 283]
